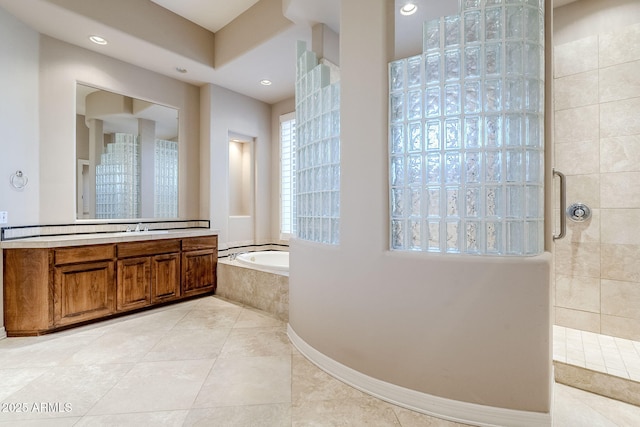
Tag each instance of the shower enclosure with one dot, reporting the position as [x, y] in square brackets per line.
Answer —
[597, 275]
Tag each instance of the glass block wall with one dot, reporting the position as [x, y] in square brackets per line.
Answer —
[318, 150]
[118, 179]
[466, 133]
[166, 179]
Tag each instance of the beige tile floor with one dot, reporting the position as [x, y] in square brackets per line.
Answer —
[208, 362]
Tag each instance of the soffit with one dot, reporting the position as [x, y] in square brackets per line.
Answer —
[209, 14]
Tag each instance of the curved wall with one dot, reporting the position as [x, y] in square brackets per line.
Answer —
[466, 329]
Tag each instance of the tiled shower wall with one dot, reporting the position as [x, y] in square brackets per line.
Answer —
[597, 145]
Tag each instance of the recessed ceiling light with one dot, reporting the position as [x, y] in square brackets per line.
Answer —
[408, 9]
[265, 82]
[181, 70]
[98, 40]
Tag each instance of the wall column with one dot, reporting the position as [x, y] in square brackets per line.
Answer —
[96, 148]
[147, 135]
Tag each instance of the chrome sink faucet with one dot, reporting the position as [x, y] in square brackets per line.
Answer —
[138, 227]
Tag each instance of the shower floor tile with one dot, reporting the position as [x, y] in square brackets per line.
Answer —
[602, 353]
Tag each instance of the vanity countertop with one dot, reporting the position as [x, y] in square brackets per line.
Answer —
[103, 238]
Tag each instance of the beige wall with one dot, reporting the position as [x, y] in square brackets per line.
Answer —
[597, 145]
[19, 145]
[224, 111]
[19, 118]
[470, 329]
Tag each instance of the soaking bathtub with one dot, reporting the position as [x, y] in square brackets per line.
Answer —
[266, 260]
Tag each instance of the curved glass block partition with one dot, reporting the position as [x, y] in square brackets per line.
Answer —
[466, 133]
[317, 149]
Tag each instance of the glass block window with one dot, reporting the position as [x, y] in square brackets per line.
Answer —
[318, 149]
[466, 133]
[287, 175]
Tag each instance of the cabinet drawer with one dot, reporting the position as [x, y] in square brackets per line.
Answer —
[198, 243]
[84, 254]
[155, 247]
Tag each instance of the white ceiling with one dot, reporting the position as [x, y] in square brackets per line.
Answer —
[210, 14]
[274, 59]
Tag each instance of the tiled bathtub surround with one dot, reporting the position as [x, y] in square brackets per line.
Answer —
[597, 145]
[259, 289]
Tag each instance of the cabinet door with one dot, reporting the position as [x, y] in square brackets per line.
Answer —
[83, 292]
[198, 271]
[134, 283]
[165, 277]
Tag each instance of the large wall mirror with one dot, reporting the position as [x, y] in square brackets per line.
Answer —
[126, 155]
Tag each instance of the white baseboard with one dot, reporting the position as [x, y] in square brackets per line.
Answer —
[453, 410]
[3, 333]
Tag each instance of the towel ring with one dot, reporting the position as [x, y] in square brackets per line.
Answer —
[19, 180]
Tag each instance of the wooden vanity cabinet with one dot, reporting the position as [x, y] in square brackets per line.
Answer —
[148, 272]
[199, 261]
[45, 289]
[49, 289]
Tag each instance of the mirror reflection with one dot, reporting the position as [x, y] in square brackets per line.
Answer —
[127, 156]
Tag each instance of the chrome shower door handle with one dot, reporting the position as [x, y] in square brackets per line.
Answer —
[563, 205]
